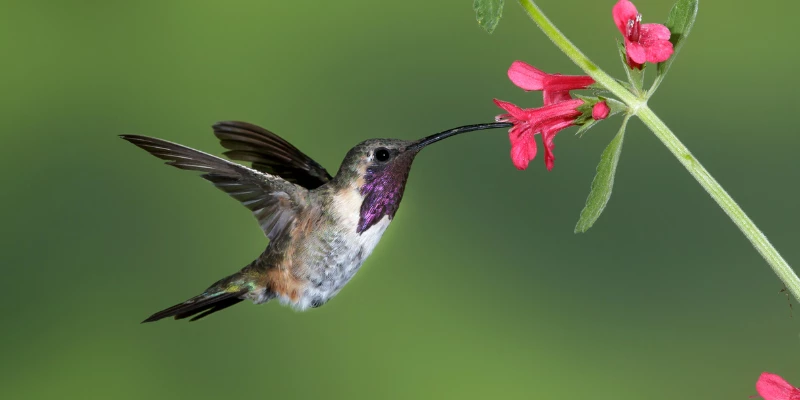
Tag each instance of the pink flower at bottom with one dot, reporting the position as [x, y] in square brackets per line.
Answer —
[773, 387]
[547, 120]
[643, 42]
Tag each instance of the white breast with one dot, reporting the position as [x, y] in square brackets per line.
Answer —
[347, 208]
[347, 250]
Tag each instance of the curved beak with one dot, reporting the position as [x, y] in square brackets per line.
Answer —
[419, 144]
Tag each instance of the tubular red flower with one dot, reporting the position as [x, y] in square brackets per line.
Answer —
[555, 87]
[600, 111]
[773, 387]
[643, 42]
[547, 120]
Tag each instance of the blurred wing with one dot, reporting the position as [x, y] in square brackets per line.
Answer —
[270, 153]
[274, 202]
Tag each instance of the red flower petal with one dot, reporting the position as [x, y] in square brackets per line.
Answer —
[529, 77]
[512, 109]
[523, 150]
[553, 97]
[773, 387]
[636, 52]
[557, 82]
[623, 11]
[548, 134]
[659, 51]
[562, 109]
[655, 40]
[514, 133]
[652, 33]
[526, 76]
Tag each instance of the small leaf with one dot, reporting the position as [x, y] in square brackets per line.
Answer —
[488, 13]
[616, 106]
[680, 21]
[585, 127]
[603, 182]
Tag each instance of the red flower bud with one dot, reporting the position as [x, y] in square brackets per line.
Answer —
[600, 110]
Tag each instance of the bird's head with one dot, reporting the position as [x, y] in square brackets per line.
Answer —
[378, 170]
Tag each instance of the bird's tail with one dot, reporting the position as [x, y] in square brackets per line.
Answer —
[221, 295]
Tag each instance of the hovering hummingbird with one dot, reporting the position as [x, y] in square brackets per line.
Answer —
[320, 228]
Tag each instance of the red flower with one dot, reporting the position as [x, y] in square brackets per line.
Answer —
[547, 120]
[600, 110]
[549, 131]
[555, 87]
[773, 387]
[643, 42]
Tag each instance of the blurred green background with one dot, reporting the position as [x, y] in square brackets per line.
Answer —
[479, 290]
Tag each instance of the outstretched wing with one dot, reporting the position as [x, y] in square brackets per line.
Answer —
[274, 201]
[270, 153]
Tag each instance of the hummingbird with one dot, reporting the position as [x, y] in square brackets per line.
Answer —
[320, 228]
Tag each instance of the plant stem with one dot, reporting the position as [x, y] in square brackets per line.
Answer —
[639, 107]
[725, 201]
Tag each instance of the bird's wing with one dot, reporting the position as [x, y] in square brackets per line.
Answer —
[274, 201]
[269, 153]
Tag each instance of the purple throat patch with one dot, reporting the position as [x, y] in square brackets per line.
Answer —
[383, 189]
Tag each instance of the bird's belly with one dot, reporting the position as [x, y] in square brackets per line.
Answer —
[327, 276]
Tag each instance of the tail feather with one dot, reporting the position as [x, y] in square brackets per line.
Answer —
[218, 306]
[200, 306]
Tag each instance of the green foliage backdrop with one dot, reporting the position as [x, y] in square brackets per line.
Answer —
[479, 290]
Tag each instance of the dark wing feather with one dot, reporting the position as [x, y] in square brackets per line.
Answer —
[269, 153]
[274, 201]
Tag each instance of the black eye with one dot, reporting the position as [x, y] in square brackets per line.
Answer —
[382, 155]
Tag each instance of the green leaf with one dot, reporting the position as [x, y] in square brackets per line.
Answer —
[488, 13]
[616, 106]
[680, 22]
[603, 182]
[585, 127]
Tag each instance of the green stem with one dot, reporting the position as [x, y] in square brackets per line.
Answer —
[576, 55]
[639, 107]
[725, 201]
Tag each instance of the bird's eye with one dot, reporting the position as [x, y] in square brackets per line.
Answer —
[382, 155]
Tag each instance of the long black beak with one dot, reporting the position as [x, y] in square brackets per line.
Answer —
[419, 144]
